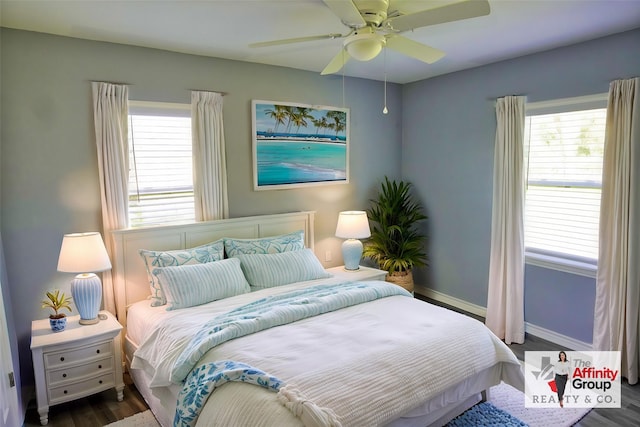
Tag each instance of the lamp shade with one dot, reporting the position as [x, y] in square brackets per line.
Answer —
[83, 253]
[86, 254]
[364, 46]
[353, 225]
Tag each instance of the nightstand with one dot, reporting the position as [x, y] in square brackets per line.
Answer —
[364, 273]
[77, 362]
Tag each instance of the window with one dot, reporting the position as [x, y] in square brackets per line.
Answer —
[160, 164]
[565, 145]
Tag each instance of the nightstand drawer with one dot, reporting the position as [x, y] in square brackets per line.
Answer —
[76, 355]
[73, 372]
[81, 388]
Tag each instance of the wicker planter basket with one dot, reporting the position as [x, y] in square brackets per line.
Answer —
[401, 278]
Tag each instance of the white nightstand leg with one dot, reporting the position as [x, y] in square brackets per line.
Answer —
[44, 415]
[120, 391]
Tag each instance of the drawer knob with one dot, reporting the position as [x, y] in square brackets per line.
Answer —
[64, 375]
[65, 392]
[62, 359]
[99, 366]
[98, 351]
[100, 382]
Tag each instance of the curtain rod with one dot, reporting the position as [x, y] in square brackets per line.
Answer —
[113, 83]
[212, 91]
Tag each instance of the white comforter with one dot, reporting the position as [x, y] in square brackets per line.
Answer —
[366, 364]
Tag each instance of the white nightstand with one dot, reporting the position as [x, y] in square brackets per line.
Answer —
[77, 362]
[364, 273]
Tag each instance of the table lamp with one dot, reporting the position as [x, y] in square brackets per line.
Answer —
[352, 225]
[86, 254]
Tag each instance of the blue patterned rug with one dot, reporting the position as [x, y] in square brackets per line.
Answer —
[485, 414]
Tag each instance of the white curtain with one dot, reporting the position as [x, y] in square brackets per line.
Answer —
[209, 162]
[616, 315]
[110, 114]
[505, 302]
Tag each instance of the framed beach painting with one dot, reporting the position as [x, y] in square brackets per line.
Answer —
[297, 145]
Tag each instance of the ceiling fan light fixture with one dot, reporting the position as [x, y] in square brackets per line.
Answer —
[364, 47]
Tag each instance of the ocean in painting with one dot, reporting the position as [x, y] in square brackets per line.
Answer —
[297, 162]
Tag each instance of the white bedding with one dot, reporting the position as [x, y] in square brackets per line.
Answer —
[331, 357]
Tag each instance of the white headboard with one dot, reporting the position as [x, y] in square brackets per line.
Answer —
[129, 274]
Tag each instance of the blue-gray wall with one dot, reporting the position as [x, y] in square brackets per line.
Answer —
[49, 178]
[447, 152]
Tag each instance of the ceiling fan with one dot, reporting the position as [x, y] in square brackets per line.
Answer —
[373, 25]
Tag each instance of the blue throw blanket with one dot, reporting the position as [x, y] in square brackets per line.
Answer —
[203, 380]
[277, 310]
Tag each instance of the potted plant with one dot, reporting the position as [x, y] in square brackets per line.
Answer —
[57, 301]
[396, 245]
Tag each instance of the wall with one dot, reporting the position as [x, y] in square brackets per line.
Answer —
[447, 152]
[49, 167]
[6, 291]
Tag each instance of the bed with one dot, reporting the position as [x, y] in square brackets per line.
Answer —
[284, 343]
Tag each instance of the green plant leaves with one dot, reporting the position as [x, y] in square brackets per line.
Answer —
[395, 243]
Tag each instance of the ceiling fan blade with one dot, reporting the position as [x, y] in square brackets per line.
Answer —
[463, 9]
[295, 40]
[414, 49]
[337, 62]
[347, 11]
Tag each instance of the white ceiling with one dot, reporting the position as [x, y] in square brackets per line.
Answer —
[224, 28]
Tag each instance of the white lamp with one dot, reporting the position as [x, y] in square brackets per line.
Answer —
[86, 254]
[352, 225]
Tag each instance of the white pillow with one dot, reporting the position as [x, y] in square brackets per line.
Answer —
[265, 245]
[209, 252]
[270, 270]
[196, 284]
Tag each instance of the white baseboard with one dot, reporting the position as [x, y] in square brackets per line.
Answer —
[540, 332]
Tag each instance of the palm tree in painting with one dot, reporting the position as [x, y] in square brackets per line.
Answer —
[320, 123]
[338, 120]
[279, 114]
[300, 116]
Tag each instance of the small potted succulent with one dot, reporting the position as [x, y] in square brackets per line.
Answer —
[57, 301]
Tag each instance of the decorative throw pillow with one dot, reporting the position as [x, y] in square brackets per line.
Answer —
[270, 270]
[265, 245]
[210, 252]
[195, 284]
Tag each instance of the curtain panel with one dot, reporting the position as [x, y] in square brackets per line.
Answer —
[616, 313]
[209, 161]
[505, 300]
[111, 114]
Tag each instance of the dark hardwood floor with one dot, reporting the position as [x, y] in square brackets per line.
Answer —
[103, 408]
[627, 416]
[92, 411]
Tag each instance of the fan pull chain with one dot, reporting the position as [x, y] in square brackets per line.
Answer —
[385, 110]
[343, 105]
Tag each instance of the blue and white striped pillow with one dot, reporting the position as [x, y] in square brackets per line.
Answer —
[210, 252]
[195, 284]
[270, 270]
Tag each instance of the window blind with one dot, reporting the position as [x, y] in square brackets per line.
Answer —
[160, 177]
[564, 180]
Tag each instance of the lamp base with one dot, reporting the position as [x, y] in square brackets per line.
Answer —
[351, 254]
[86, 290]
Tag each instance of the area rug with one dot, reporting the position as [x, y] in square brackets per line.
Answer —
[141, 419]
[505, 407]
[509, 399]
